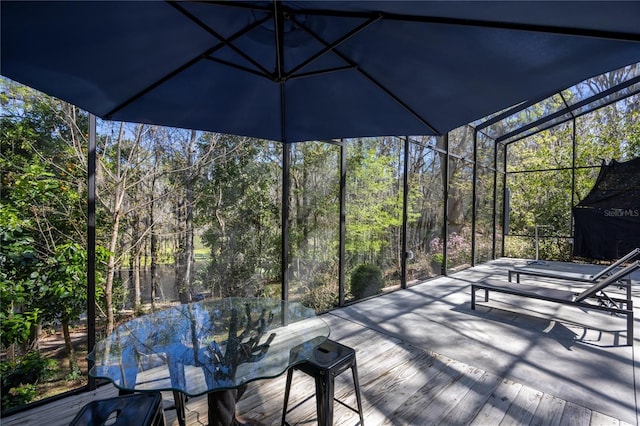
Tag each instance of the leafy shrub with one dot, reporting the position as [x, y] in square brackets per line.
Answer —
[366, 280]
[20, 377]
[321, 298]
[19, 395]
[75, 375]
[321, 292]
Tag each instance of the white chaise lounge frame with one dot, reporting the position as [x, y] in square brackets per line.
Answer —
[603, 302]
[569, 276]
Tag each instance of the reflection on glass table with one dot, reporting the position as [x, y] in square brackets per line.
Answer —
[208, 347]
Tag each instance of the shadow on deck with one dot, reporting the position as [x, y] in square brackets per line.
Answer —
[424, 357]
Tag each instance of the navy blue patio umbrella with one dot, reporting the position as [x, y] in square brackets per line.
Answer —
[311, 70]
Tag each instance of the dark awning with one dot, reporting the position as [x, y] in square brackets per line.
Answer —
[305, 70]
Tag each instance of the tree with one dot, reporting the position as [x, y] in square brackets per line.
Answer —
[184, 263]
[43, 215]
[541, 177]
[48, 281]
[314, 228]
[18, 260]
[374, 202]
[426, 206]
[63, 290]
[41, 204]
[239, 208]
[127, 162]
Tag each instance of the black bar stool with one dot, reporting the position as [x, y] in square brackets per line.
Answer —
[142, 409]
[329, 359]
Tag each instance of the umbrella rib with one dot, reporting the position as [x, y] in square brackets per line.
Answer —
[152, 86]
[398, 100]
[321, 72]
[237, 4]
[333, 45]
[226, 41]
[278, 18]
[239, 67]
[374, 81]
[204, 55]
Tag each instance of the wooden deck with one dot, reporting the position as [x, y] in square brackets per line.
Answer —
[402, 383]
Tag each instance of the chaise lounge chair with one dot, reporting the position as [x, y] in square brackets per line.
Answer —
[593, 298]
[572, 276]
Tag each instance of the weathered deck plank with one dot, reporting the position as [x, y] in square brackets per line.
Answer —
[497, 405]
[400, 385]
[467, 408]
[446, 399]
[523, 408]
[575, 415]
[389, 398]
[549, 411]
[603, 420]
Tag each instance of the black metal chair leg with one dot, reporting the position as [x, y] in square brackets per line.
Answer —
[180, 400]
[356, 385]
[324, 398]
[286, 396]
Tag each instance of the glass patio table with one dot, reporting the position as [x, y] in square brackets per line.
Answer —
[212, 347]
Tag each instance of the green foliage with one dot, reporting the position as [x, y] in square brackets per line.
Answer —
[374, 205]
[321, 298]
[75, 374]
[240, 216]
[555, 248]
[64, 284]
[519, 247]
[19, 378]
[35, 288]
[541, 190]
[42, 236]
[313, 234]
[19, 395]
[19, 278]
[321, 293]
[366, 280]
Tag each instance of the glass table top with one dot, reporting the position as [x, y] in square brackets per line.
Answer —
[210, 345]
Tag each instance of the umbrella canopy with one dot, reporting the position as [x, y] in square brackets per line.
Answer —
[307, 70]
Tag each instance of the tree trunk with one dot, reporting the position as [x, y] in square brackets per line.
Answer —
[118, 196]
[184, 252]
[134, 258]
[111, 271]
[455, 214]
[154, 255]
[153, 245]
[180, 249]
[189, 249]
[137, 271]
[73, 362]
[33, 343]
